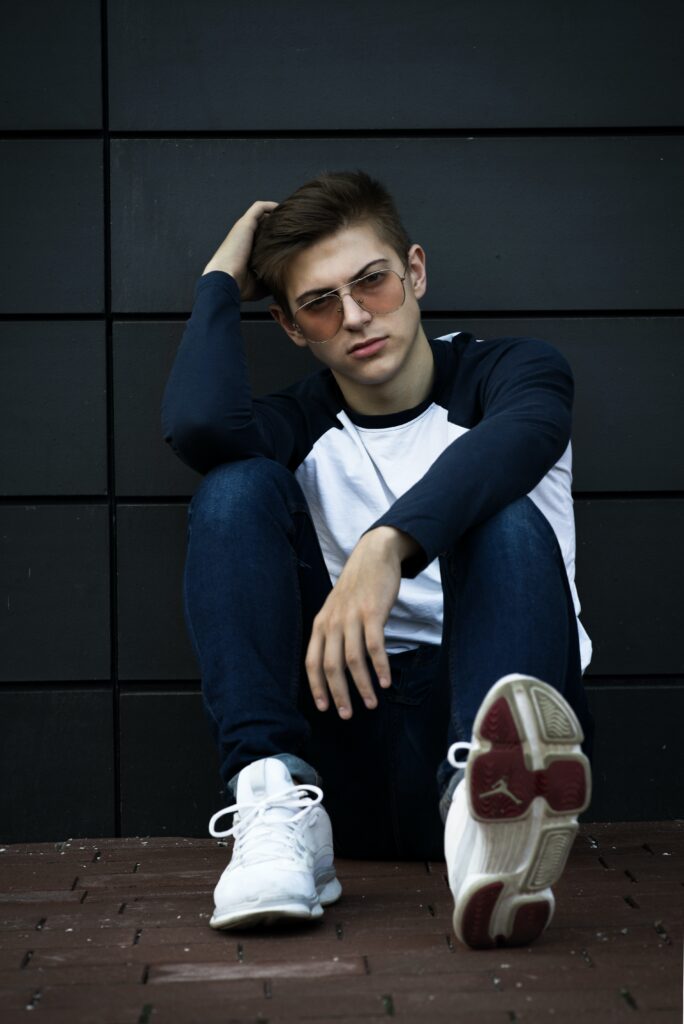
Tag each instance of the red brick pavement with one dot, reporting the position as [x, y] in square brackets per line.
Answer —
[115, 931]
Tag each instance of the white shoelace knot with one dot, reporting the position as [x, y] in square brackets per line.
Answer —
[263, 837]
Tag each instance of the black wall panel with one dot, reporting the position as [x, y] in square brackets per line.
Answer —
[52, 225]
[630, 556]
[144, 464]
[638, 752]
[356, 66]
[53, 408]
[54, 582]
[536, 151]
[56, 764]
[180, 788]
[531, 223]
[153, 642]
[50, 65]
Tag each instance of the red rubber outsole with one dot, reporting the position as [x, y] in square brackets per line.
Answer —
[530, 920]
[501, 785]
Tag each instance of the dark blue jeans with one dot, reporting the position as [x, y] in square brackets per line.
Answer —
[254, 580]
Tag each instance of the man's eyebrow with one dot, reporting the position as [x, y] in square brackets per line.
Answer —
[324, 291]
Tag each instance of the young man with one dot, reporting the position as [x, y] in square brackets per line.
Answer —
[380, 572]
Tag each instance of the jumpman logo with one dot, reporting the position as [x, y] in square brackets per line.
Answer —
[500, 787]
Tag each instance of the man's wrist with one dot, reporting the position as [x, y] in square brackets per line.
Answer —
[224, 270]
[396, 541]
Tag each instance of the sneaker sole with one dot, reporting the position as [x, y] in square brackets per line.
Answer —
[268, 913]
[526, 782]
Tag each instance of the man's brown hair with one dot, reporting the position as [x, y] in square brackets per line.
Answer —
[322, 206]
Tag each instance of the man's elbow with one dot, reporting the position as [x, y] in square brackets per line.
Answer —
[202, 445]
[188, 443]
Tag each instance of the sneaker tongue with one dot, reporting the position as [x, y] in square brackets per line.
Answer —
[262, 778]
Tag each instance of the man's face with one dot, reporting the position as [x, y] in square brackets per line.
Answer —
[368, 349]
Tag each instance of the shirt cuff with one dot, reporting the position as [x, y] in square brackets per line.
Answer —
[218, 279]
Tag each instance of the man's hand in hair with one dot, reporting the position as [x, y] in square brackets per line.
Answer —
[235, 251]
[350, 625]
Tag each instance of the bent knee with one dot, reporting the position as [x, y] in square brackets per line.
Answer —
[519, 521]
[238, 488]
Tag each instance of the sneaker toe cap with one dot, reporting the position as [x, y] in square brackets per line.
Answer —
[250, 885]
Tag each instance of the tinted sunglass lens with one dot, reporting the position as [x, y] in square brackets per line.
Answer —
[379, 293]
[320, 322]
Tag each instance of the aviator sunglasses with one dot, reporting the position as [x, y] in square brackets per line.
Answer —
[319, 319]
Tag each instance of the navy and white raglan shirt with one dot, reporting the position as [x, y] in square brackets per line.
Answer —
[495, 427]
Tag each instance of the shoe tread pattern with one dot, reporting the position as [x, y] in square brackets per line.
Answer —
[556, 721]
[530, 921]
[502, 786]
[530, 918]
[550, 858]
[477, 916]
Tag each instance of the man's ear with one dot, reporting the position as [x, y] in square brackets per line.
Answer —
[416, 266]
[293, 332]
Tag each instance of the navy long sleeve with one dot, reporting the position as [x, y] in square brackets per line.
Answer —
[525, 390]
[208, 415]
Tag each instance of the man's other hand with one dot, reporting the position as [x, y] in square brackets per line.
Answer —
[235, 251]
[351, 623]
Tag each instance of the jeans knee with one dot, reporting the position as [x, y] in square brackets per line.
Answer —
[519, 527]
[234, 490]
[516, 516]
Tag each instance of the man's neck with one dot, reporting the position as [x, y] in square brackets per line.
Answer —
[407, 389]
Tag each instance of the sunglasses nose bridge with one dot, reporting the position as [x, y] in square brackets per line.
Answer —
[342, 294]
[355, 307]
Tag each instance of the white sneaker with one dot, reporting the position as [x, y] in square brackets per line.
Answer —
[513, 818]
[282, 862]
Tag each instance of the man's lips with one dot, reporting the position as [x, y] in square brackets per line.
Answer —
[367, 347]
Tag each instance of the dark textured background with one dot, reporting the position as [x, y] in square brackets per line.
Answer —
[536, 152]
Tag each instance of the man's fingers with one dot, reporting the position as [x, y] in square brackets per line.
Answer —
[355, 657]
[325, 668]
[339, 647]
[314, 670]
[260, 207]
[333, 669]
[375, 645]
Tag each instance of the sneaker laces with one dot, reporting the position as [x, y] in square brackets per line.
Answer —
[251, 826]
[451, 753]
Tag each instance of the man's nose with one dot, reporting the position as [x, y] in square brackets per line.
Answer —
[353, 315]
